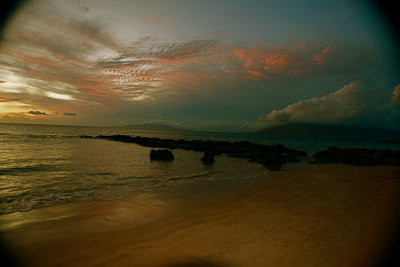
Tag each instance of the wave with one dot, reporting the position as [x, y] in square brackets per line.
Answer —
[50, 195]
[45, 196]
[56, 136]
[189, 176]
[30, 168]
[28, 200]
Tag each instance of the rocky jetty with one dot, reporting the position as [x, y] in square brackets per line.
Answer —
[358, 156]
[161, 154]
[208, 158]
[264, 154]
[271, 156]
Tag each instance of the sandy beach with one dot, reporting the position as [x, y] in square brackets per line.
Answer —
[187, 133]
[320, 215]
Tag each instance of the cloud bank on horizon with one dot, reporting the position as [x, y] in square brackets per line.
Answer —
[351, 103]
[113, 68]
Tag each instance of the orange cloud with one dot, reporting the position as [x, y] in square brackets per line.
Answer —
[152, 65]
[325, 54]
[173, 60]
[277, 61]
[261, 61]
[255, 73]
[54, 59]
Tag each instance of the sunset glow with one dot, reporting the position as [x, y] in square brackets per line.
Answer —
[235, 64]
[199, 133]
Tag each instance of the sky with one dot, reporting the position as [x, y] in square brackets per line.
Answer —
[224, 65]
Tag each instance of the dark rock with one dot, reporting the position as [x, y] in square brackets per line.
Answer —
[161, 154]
[264, 154]
[271, 159]
[273, 167]
[358, 156]
[389, 142]
[208, 157]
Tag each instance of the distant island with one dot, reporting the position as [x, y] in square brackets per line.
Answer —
[314, 130]
[155, 126]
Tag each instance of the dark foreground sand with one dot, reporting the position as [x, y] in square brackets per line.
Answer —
[328, 215]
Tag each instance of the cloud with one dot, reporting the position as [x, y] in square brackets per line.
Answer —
[59, 96]
[54, 56]
[395, 100]
[151, 65]
[260, 61]
[159, 19]
[338, 107]
[70, 114]
[141, 97]
[13, 105]
[325, 55]
[24, 118]
[70, 58]
[263, 61]
[59, 62]
[356, 103]
[37, 112]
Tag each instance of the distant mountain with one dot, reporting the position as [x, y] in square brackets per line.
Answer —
[155, 126]
[331, 132]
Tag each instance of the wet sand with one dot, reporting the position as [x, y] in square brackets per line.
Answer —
[322, 215]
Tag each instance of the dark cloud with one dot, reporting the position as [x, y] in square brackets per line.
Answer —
[70, 114]
[37, 112]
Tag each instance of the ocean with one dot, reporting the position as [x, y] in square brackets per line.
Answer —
[45, 165]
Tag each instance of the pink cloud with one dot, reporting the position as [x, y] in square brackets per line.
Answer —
[302, 60]
[262, 61]
[255, 73]
[153, 65]
[278, 61]
[173, 60]
[80, 59]
[327, 53]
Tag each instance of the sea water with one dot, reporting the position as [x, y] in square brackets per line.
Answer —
[45, 165]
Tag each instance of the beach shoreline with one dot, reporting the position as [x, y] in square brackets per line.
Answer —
[321, 215]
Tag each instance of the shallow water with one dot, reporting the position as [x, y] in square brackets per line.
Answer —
[43, 165]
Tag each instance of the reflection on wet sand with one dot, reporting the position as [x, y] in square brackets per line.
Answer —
[328, 215]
